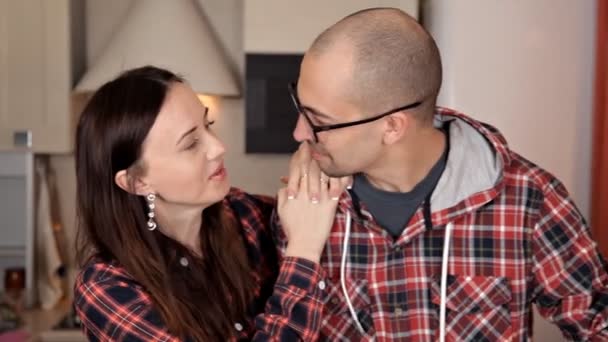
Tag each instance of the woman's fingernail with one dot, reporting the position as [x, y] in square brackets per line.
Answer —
[335, 198]
[290, 195]
[349, 186]
[314, 199]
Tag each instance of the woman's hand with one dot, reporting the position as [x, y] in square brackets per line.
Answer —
[307, 206]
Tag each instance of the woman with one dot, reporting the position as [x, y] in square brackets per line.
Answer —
[169, 251]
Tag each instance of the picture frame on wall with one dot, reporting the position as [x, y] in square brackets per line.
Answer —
[270, 115]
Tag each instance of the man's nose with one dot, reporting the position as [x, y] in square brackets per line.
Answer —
[303, 131]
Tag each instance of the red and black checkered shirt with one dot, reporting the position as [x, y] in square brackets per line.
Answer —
[519, 241]
[114, 307]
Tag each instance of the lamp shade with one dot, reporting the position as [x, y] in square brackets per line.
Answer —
[171, 34]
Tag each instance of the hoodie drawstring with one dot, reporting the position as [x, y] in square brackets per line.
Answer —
[351, 308]
[444, 272]
[444, 279]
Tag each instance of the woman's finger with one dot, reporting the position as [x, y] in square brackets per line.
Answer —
[281, 196]
[323, 186]
[314, 182]
[303, 186]
[298, 168]
[347, 181]
[335, 188]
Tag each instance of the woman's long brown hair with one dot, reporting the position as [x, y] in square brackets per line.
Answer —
[200, 302]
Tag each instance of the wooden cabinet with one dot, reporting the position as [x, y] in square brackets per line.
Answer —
[279, 26]
[36, 73]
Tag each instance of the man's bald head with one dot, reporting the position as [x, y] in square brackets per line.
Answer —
[394, 60]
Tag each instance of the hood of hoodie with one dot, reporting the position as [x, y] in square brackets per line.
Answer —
[474, 170]
[475, 165]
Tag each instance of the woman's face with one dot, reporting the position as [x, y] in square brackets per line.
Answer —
[183, 160]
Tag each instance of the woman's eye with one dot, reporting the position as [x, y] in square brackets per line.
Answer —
[192, 145]
[209, 123]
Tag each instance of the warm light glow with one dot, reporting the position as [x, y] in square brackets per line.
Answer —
[211, 102]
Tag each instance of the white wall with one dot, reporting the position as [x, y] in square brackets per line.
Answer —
[525, 67]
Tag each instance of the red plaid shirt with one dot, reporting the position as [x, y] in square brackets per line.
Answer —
[114, 307]
[517, 241]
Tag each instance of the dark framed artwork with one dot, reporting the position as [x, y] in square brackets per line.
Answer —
[270, 115]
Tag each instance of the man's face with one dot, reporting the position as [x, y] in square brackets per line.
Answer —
[322, 91]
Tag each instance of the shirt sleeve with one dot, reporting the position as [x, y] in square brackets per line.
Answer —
[113, 311]
[278, 234]
[116, 312]
[570, 279]
[294, 311]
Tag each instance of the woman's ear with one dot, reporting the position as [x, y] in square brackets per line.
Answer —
[135, 186]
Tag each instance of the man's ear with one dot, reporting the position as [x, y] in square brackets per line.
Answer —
[396, 126]
[135, 186]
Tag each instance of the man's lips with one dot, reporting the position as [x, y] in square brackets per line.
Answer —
[315, 155]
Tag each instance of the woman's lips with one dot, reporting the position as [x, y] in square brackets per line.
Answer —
[220, 173]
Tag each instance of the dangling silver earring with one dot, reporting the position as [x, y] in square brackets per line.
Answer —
[151, 223]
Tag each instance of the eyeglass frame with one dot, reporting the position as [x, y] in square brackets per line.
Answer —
[291, 87]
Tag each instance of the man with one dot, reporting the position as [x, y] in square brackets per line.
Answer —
[446, 233]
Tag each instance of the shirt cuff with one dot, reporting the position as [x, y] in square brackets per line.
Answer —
[301, 273]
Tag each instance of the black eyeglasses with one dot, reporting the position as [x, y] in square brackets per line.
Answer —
[316, 129]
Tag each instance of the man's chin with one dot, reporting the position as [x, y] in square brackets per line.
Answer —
[332, 172]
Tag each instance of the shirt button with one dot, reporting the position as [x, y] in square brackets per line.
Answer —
[183, 261]
[322, 285]
[398, 311]
[335, 300]
[238, 326]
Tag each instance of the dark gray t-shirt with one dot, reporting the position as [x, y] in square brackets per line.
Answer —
[393, 210]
